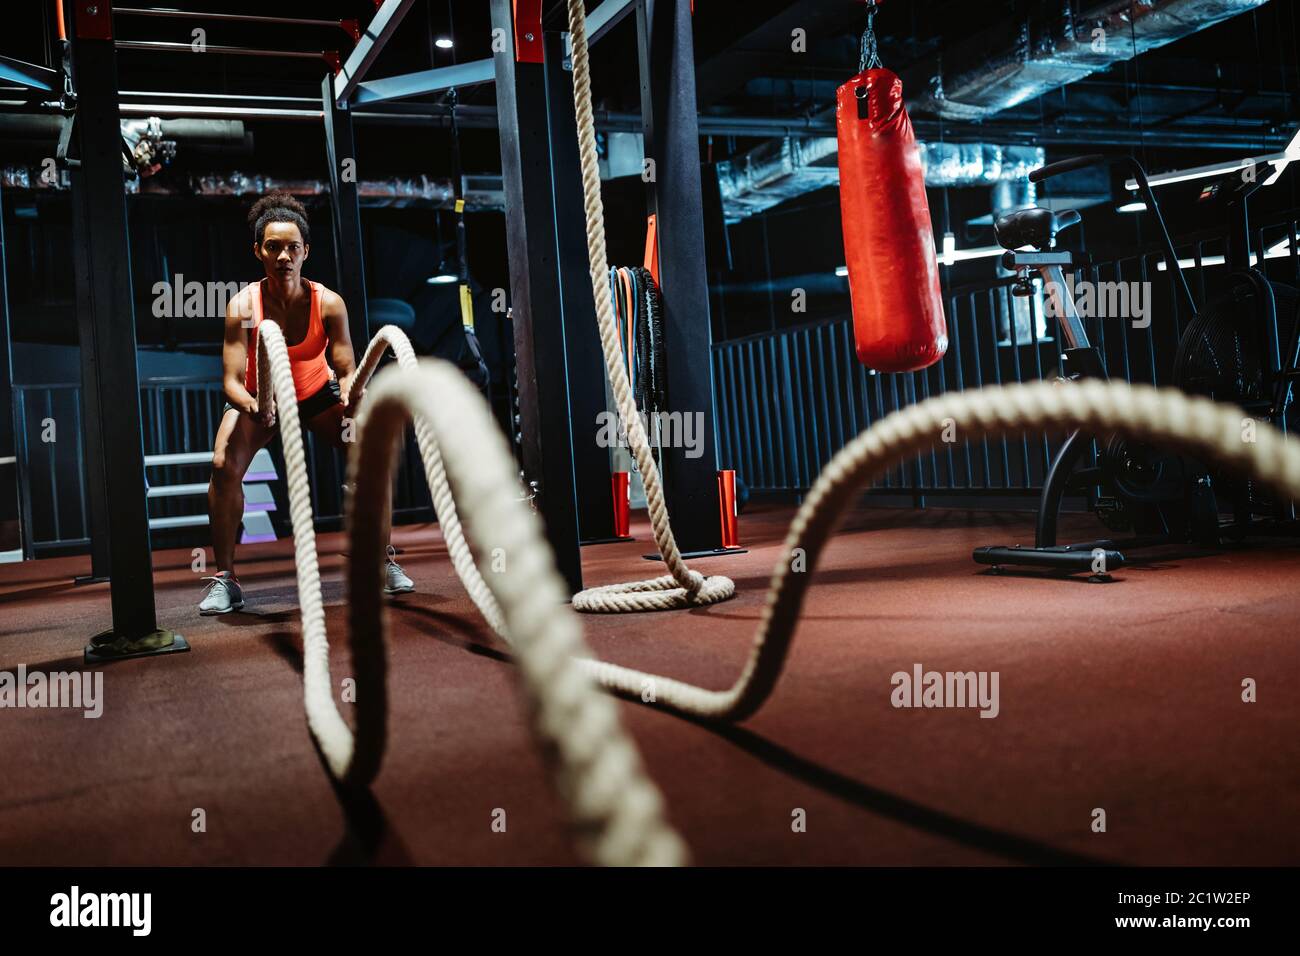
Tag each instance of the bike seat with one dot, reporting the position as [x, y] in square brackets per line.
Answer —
[1035, 227]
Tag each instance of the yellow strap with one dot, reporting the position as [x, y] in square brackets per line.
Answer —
[460, 205]
[466, 308]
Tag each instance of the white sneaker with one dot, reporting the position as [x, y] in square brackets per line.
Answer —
[395, 579]
[223, 595]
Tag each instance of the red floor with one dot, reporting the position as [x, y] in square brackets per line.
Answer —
[1125, 697]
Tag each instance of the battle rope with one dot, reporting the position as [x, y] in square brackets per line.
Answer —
[681, 587]
[616, 810]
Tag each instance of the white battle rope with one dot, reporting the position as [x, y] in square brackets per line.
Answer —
[615, 809]
[681, 587]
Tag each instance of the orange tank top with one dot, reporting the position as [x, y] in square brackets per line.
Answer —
[306, 359]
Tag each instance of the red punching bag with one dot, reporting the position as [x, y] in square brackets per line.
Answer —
[888, 238]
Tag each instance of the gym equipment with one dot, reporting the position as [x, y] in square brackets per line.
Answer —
[638, 308]
[898, 319]
[617, 811]
[1227, 353]
[682, 587]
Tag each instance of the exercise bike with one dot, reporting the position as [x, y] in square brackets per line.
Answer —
[1230, 352]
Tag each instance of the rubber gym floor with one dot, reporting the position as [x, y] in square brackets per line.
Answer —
[1125, 697]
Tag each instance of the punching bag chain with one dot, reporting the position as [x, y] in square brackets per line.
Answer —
[870, 58]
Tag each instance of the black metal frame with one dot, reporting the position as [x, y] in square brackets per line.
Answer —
[585, 359]
[106, 314]
[345, 206]
[665, 49]
[10, 508]
[561, 389]
[536, 298]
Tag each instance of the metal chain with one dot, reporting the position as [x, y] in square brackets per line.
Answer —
[870, 58]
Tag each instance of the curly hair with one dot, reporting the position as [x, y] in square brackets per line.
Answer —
[278, 207]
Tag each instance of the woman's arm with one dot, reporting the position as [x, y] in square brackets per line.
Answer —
[234, 359]
[334, 313]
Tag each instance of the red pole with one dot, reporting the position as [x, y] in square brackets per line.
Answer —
[622, 517]
[727, 508]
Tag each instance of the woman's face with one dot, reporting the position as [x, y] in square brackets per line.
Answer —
[282, 251]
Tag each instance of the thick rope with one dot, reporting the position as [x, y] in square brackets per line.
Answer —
[444, 504]
[1166, 417]
[681, 587]
[616, 810]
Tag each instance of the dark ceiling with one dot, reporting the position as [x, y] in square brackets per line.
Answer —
[1231, 86]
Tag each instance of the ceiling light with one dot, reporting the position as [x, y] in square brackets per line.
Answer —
[1279, 162]
[443, 43]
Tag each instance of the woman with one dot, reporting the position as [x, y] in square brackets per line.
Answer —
[315, 325]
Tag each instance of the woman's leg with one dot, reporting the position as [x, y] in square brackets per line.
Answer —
[329, 426]
[239, 438]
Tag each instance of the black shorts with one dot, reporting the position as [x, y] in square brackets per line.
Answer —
[325, 398]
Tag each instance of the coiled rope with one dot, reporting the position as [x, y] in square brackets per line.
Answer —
[616, 810]
[681, 587]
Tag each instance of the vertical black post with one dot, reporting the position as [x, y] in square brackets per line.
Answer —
[9, 476]
[672, 142]
[547, 447]
[586, 362]
[106, 327]
[345, 202]
[92, 437]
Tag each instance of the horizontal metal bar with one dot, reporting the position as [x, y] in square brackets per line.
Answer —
[237, 97]
[179, 458]
[236, 17]
[179, 521]
[233, 111]
[179, 491]
[442, 78]
[29, 75]
[160, 46]
[607, 16]
[366, 52]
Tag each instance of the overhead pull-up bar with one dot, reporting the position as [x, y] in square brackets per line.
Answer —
[351, 27]
[161, 46]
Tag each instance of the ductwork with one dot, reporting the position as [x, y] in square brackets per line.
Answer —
[791, 166]
[1072, 40]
